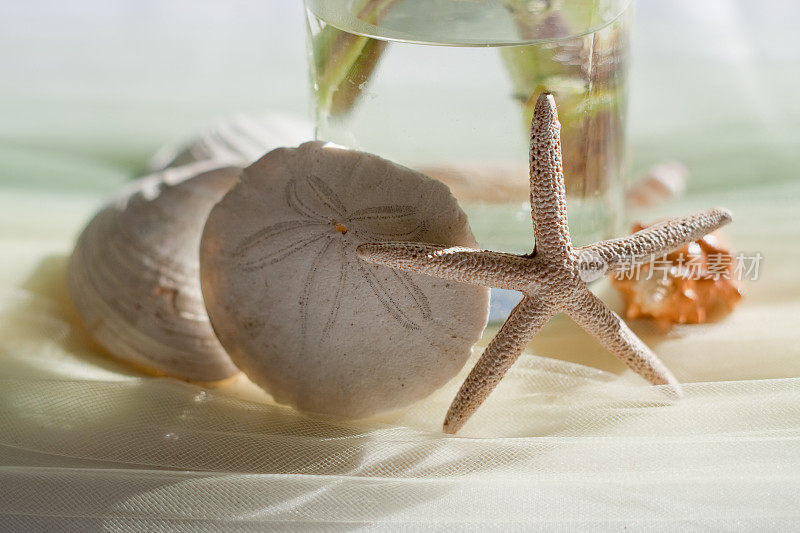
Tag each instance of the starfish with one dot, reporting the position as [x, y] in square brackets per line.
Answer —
[553, 278]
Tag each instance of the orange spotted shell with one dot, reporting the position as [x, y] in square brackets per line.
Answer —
[693, 285]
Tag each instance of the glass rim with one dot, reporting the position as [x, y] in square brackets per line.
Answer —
[332, 15]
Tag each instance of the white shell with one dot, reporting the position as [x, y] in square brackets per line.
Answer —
[662, 182]
[238, 141]
[303, 316]
[476, 181]
[134, 274]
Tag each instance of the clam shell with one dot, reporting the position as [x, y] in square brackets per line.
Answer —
[134, 274]
[303, 316]
[238, 141]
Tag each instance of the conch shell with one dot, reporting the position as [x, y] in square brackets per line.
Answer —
[693, 285]
[134, 274]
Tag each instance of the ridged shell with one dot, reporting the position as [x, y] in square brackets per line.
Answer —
[238, 141]
[303, 316]
[134, 274]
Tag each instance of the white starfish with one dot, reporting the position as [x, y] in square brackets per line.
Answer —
[552, 278]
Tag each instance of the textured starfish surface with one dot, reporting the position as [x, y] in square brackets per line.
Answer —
[552, 278]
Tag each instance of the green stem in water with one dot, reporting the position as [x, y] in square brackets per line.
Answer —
[583, 74]
[344, 62]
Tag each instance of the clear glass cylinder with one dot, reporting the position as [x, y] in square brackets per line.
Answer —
[448, 87]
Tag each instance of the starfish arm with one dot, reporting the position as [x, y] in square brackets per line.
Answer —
[607, 327]
[657, 240]
[548, 196]
[478, 267]
[525, 321]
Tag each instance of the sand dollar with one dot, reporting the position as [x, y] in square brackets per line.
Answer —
[302, 315]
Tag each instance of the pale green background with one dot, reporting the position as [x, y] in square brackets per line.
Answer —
[91, 88]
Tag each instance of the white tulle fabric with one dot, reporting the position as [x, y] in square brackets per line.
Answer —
[87, 444]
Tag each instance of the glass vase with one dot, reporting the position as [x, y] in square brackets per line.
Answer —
[448, 87]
